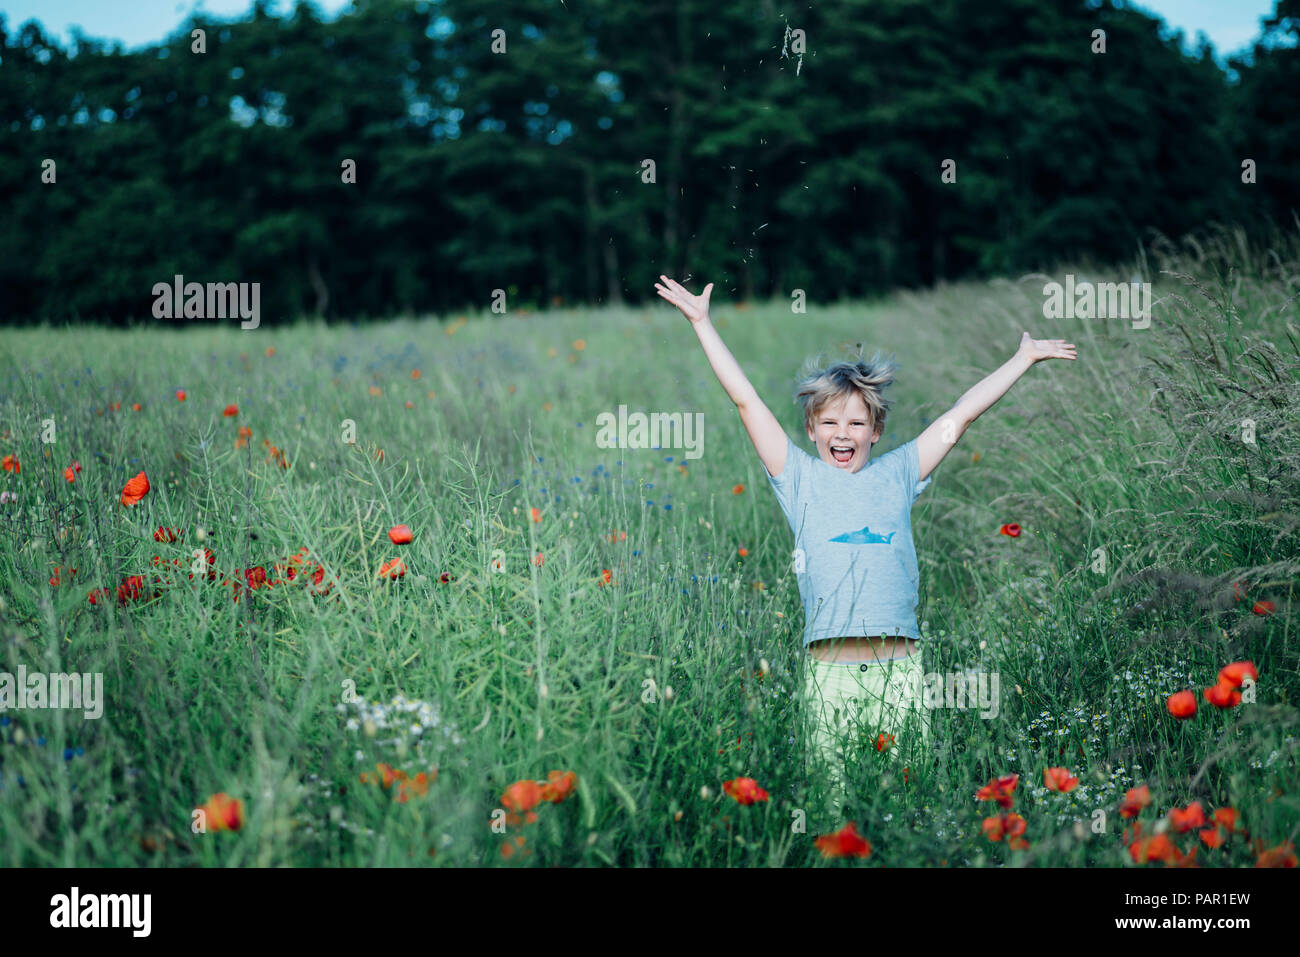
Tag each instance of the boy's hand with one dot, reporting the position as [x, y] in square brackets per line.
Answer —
[694, 308]
[1035, 349]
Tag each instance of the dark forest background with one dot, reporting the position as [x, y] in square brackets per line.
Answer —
[523, 170]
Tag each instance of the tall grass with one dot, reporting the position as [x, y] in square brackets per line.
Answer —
[1139, 501]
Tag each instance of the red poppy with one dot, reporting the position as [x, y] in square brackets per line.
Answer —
[234, 588]
[230, 411]
[1213, 837]
[1223, 695]
[167, 534]
[605, 576]
[130, 589]
[135, 407]
[1059, 779]
[391, 569]
[388, 774]
[1187, 819]
[1134, 801]
[1264, 608]
[559, 785]
[97, 595]
[400, 534]
[1012, 529]
[538, 559]
[224, 813]
[55, 579]
[255, 576]
[10, 464]
[1281, 856]
[884, 741]
[276, 455]
[739, 489]
[446, 577]
[418, 785]
[180, 395]
[1226, 818]
[135, 489]
[521, 796]
[1010, 826]
[999, 789]
[1158, 847]
[1234, 673]
[744, 790]
[1184, 860]
[846, 842]
[1181, 704]
[536, 514]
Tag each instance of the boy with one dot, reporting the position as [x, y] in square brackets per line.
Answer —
[851, 519]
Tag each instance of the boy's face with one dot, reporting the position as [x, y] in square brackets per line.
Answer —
[843, 434]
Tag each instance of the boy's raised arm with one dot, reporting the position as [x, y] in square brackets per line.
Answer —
[942, 434]
[764, 430]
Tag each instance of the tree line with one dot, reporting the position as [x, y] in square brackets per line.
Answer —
[415, 157]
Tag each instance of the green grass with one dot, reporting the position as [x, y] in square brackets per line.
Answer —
[1133, 452]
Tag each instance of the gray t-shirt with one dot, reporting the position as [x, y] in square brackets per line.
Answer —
[853, 556]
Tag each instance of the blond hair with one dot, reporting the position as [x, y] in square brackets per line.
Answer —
[819, 386]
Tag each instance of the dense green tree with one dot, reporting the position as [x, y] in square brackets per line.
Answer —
[792, 147]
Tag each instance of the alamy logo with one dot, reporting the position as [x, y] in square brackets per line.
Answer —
[1104, 300]
[666, 430]
[974, 690]
[102, 910]
[80, 692]
[214, 300]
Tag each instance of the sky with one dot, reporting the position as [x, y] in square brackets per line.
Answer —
[1230, 24]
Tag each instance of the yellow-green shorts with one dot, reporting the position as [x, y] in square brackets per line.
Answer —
[851, 704]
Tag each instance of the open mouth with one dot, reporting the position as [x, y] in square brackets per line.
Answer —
[842, 453]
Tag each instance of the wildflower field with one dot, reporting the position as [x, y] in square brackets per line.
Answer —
[375, 595]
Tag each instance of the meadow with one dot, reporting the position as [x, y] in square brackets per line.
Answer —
[1116, 530]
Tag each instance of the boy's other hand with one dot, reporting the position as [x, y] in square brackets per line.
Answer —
[694, 308]
[1036, 349]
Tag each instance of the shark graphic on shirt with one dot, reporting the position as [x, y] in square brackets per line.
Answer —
[864, 536]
